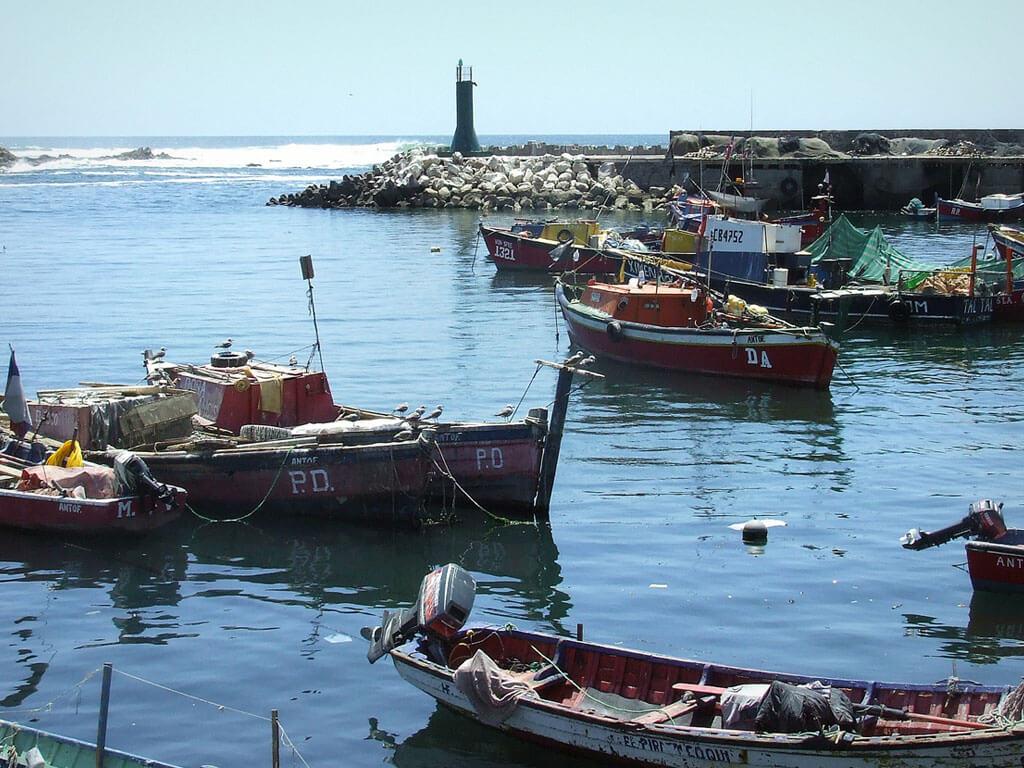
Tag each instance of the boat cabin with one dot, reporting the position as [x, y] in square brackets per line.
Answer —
[670, 306]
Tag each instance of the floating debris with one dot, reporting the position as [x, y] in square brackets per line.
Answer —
[756, 531]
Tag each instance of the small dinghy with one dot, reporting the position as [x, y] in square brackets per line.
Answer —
[995, 556]
[643, 709]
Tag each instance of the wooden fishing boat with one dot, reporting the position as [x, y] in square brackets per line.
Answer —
[17, 742]
[995, 556]
[684, 327]
[1009, 242]
[644, 709]
[988, 208]
[534, 246]
[89, 499]
[497, 464]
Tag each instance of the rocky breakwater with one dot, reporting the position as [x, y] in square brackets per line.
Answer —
[418, 179]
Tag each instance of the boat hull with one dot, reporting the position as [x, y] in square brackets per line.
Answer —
[127, 514]
[788, 357]
[968, 211]
[65, 752]
[514, 252]
[996, 567]
[377, 483]
[631, 743]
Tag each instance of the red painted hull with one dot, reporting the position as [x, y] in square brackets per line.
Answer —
[514, 252]
[383, 482]
[996, 567]
[1008, 307]
[754, 354]
[967, 211]
[128, 514]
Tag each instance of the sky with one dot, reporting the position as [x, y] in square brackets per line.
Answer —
[257, 68]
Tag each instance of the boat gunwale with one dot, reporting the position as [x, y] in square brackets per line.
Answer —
[730, 737]
[80, 743]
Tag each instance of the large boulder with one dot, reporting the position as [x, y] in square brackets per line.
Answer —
[7, 158]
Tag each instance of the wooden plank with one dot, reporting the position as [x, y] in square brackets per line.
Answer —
[671, 712]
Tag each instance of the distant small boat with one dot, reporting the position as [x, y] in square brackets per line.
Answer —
[17, 741]
[995, 556]
[988, 208]
[683, 327]
[750, 206]
[642, 709]
[531, 246]
[916, 209]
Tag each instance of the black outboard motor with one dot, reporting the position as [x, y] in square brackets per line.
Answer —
[133, 476]
[445, 600]
[985, 520]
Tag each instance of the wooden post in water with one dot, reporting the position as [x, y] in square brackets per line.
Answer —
[275, 740]
[553, 441]
[101, 727]
[579, 632]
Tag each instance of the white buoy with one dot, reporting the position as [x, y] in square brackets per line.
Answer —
[756, 531]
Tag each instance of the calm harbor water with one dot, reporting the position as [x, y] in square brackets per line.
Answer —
[102, 259]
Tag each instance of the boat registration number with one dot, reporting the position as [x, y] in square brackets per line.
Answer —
[504, 249]
[706, 753]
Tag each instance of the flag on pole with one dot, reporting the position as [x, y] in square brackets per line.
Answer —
[14, 400]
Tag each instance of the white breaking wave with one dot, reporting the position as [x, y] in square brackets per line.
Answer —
[271, 157]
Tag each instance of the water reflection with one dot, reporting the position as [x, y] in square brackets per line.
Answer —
[450, 739]
[137, 575]
[994, 631]
[349, 569]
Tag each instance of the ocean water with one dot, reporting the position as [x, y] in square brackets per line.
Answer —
[102, 258]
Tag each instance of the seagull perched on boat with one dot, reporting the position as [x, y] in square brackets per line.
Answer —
[434, 414]
[505, 412]
[351, 417]
[159, 354]
[226, 344]
[293, 361]
[401, 408]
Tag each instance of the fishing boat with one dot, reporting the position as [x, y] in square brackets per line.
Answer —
[23, 745]
[535, 246]
[251, 404]
[639, 708]
[683, 326]
[82, 498]
[995, 554]
[1009, 245]
[988, 208]
[916, 209]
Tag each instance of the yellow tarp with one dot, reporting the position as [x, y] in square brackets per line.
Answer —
[68, 455]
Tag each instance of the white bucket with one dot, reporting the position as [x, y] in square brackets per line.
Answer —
[780, 277]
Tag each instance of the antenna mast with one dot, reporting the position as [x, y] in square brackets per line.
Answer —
[306, 263]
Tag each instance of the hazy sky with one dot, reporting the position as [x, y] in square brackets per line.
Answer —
[387, 68]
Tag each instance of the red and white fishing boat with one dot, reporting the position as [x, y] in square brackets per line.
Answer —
[995, 556]
[988, 208]
[683, 327]
[535, 246]
[639, 708]
[89, 499]
[1009, 303]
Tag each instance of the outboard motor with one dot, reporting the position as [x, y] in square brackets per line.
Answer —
[445, 600]
[984, 520]
[133, 476]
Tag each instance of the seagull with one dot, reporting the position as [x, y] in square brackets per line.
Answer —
[434, 414]
[505, 412]
[159, 355]
[351, 417]
[249, 354]
[293, 361]
[414, 417]
[401, 408]
[574, 359]
[587, 361]
[405, 434]
[226, 344]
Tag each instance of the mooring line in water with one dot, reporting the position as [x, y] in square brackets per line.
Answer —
[446, 471]
[48, 706]
[255, 509]
[219, 706]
